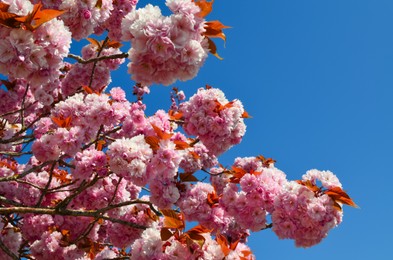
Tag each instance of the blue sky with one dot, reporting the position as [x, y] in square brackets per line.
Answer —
[317, 78]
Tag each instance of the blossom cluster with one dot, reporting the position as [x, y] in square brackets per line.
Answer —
[36, 56]
[301, 215]
[218, 123]
[165, 48]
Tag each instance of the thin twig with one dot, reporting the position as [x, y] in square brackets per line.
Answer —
[114, 193]
[22, 117]
[95, 62]
[103, 135]
[45, 190]
[268, 226]
[16, 138]
[86, 232]
[17, 111]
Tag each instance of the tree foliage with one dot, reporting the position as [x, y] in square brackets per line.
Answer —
[85, 173]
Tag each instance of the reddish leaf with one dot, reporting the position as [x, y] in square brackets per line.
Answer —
[338, 195]
[112, 44]
[213, 49]
[234, 244]
[237, 174]
[10, 164]
[38, 17]
[205, 6]
[223, 242]
[108, 44]
[196, 238]
[161, 134]
[213, 199]
[219, 107]
[4, 7]
[265, 161]
[150, 214]
[175, 115]
[246, 115]
[181, 145]
[89, 90]
[311, 186]
[100, 144]
[188, 177]
[194, 155]
[8, 19]
[200, 229]
[65, 232]
[253, 172]
[165, 234]
[214, 29]
[62, 176]
[172, 219]
[246, 254]
[62, 122]
[153, 141]
[94, 42]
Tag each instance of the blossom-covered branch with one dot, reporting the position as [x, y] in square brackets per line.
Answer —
[87, 173]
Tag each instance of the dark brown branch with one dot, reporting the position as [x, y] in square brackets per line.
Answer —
[45, 190]
[15, 138]
[268, 226]
[8, 251]
[67, 212]
[83, 186]
[18, 136]
[215, 174]
[16, 176]
[86, 232]
[95, 62]
[103, 135]
[59, 188]
[29, 183]
[14, 154]
[9, 202]
[113, 56]
[116, 189]
[22, 117]
[17, 111]
[127, 203]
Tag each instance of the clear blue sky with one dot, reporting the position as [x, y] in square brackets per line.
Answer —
[317, 78]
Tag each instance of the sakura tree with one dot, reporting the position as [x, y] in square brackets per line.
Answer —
[85, 173]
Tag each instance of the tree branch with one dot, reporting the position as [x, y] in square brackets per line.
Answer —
[67, 212]
[113, 56]
[7, 250]
[19, 176]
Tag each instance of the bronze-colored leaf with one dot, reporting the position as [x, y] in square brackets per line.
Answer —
[205, 6]
[338, 195]
[188, 177]
[172, 219]
[165, 234]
